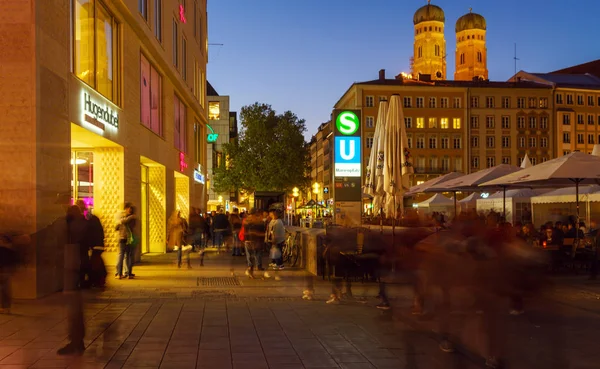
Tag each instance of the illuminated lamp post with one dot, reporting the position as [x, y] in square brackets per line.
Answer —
[316, 192]
[295, 193]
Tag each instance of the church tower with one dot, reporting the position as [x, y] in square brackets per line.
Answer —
[430, 45]
[471, 52]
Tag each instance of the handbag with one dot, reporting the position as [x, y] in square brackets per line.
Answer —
[275, 253]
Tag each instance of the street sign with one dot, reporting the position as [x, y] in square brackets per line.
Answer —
[325, 189]
[347, 156]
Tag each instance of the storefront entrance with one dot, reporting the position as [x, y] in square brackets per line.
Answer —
[97, 178]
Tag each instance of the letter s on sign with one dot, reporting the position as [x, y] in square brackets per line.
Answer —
[347, 123]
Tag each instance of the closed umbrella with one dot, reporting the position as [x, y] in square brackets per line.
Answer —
[397, 158]
[374, 175]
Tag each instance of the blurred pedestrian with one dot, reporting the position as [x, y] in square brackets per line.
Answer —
[220, 227]
[125, 227]
[254, 235]
[9, 259]
[236, 224]
[175, 237]
[77, 236]
[195, 229]
[95, 269]
[275, 239]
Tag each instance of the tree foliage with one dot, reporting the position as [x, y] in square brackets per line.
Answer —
[270, 154]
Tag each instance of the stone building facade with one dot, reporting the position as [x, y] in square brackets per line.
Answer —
[104, 101]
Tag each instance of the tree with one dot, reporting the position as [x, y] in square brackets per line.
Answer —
[270, 155]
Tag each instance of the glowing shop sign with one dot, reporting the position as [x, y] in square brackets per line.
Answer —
[182, 164]
[199, 177]
[347, 123]
[182, 14]
[347, 156]
[485, 195]
[97, 114]
[212, 137]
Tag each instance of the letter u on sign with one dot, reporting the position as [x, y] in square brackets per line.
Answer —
[347, 150]
[347, 153]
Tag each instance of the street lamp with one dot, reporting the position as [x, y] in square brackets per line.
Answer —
[316, 192]
[295, 194]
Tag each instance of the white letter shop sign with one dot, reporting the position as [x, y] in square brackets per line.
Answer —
[98, 114]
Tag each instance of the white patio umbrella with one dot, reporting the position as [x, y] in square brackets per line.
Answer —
[526, 163]
[397, 159]
[374, 175]
[432, 182]
[576, 168]
[471, 182]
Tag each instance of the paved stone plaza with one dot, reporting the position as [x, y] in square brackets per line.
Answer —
[205, 318]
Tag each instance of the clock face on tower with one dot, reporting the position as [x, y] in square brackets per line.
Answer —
[438, 74]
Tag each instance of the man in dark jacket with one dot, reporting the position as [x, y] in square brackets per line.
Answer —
[220, 226]
[92, 266]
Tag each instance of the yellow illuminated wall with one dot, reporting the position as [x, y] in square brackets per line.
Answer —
[158, 205]
[182, 195]
[108, 191]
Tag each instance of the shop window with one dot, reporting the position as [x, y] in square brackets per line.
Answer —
[214, 110]
[184, 58]
[180, 126]
[151, 97]
[95, 47]
[158, 19]
[82, 177]
[198, 142]
[175, 51]
[143, 8]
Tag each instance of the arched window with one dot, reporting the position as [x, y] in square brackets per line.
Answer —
[479, 57]
[462, 58]
[437, 50]
[420, 52]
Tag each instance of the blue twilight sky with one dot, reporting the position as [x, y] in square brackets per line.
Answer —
[302, 55]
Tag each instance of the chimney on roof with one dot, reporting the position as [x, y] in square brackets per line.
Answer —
[382, 74]
[424, 77]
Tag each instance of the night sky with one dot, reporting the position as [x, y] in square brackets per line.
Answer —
[303, 55]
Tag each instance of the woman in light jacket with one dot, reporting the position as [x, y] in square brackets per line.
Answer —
[176, 229]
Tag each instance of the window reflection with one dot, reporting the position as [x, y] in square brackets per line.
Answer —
[94, 45]
[214, 110]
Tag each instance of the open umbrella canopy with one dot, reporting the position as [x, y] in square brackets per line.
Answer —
[576, 167]
[526, 163]
[432, 182]
[471, 182]
[436, 200]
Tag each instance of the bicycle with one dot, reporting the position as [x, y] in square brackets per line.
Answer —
[291, 250]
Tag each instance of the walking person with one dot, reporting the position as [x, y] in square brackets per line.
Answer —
[125, 226]
[77, 238]
[96, 269]
[276, 239]
[254, 235]
[195, 229]
[236, 225]
[176, 229]
[220, 226]
[9, 258]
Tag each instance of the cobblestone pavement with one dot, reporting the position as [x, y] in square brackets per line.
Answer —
[205, 318]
